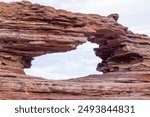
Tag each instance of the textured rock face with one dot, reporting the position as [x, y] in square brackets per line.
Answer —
[32, 30]
[127, 52]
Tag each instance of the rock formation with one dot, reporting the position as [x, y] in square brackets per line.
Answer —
[28, 30]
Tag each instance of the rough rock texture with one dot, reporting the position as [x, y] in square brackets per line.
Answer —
[32, 30]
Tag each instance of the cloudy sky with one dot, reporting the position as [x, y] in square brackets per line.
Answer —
[81, 62]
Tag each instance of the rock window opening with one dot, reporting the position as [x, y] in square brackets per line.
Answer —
[71, 64]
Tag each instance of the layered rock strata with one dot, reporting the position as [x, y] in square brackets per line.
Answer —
[129, 52]
[32, 30]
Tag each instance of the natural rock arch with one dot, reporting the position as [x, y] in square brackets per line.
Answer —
[32, 30]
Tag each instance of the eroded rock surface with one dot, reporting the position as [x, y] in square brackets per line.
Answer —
[28, 30]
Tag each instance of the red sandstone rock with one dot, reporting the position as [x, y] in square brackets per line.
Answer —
[32, 30]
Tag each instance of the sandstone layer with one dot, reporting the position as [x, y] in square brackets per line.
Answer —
[29, 30]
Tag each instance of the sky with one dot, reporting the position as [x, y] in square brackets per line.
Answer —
[134, 14]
